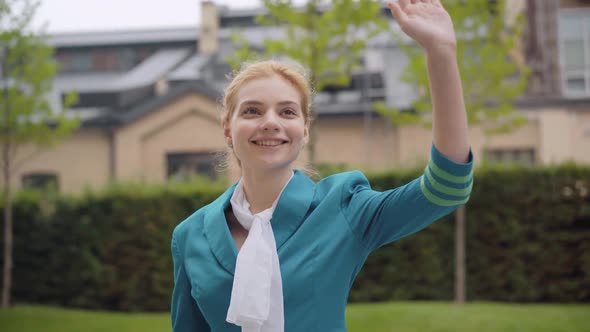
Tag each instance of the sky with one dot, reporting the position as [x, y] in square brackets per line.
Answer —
[101, 15]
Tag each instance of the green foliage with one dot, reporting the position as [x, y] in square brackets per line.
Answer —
[107, 250]
[317, 37]
[491, 74]
[528, 239]
[243, 52]
[327, 169]
[28, 67]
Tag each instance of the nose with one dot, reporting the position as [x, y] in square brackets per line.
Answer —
[271, 122]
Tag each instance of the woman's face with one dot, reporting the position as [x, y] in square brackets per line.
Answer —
[267, 128]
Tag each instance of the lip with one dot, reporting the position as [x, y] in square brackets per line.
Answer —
[269, 146]
[272, 139]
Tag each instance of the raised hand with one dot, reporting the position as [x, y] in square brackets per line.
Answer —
[427, 22]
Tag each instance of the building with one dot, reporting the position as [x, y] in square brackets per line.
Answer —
[148, 101]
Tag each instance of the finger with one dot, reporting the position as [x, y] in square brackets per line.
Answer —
[397, 11]
[403, 3]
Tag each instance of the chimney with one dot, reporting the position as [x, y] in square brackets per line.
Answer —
[208, 42]
[161, 87]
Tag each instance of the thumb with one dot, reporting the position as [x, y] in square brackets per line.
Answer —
[397, 12]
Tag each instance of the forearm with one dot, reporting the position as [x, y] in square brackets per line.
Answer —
[449, 123]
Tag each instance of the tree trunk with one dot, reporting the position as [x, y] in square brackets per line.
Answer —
[312, 9]
[7, 271]
[460, 255]
[6, 158]
[311, 145]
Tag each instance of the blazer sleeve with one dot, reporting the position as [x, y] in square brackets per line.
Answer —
[185, 313]
[378, 218]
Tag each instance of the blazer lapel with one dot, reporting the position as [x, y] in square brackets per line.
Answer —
[292, 207]
[217, 232]
[288, 216]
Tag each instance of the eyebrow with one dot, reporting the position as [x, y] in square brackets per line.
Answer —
[281, 103]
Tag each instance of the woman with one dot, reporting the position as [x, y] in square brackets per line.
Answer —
[278, 252]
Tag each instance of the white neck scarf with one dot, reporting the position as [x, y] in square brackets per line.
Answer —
[257, 295]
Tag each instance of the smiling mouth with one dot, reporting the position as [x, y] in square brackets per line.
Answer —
[269, 143]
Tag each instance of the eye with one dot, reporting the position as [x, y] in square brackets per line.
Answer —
[289, 112]
[250, 111]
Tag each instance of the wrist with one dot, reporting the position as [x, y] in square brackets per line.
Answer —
[448, 52]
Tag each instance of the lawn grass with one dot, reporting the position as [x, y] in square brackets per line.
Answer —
[395, 316]
[51, 319]
[476, 317]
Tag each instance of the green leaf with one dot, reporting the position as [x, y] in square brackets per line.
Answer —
[28, 68]
[327, 45]
[492, 79]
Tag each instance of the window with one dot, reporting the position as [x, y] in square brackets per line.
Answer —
[80, 62]
[574, 48]
[368, 81]
[360, 81]
[102, 59]
[182, 166]
[41, 181]
[518, 156]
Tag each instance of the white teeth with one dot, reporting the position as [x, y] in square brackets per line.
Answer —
[269, 143]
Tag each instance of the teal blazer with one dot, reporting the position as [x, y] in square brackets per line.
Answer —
[324, 232]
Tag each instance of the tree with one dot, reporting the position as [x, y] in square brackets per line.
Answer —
[317, 37]
[27, 68]
[493, 77]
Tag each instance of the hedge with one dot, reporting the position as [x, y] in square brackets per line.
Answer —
[528, 240]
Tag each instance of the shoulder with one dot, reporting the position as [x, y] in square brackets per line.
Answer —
[343, 179]
[191, 225]
[342, 183]
[195, 222]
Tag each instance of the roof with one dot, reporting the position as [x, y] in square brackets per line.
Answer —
[124, 37]
[225, 11]
[190, 69]
[146, 73]
[255, 35]
[100, 118]
[117, 118]
[153, 68]
[178, 64]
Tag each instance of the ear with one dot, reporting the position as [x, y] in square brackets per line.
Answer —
[226, 132]
[306, 133]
